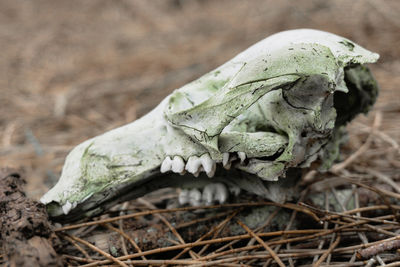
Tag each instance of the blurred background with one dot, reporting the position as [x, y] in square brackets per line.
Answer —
[70, 70]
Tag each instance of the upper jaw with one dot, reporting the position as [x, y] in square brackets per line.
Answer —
[71, 201]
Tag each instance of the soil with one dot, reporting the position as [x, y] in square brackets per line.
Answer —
[25, 231]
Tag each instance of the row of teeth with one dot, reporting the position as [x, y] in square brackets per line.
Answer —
[214, 192]
[196, 164]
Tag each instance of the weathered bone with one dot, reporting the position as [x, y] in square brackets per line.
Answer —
[279, 104]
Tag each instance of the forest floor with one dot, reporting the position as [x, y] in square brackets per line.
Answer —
[71, 70]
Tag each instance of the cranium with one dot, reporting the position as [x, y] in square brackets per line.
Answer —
[280, 104]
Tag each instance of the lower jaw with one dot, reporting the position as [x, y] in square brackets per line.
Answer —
[98, 203]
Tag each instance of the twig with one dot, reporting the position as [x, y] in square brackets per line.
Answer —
[73, 242]
[383, 178]
[150, 212]
[363, 246]
[322, 242]
[321, 233]
[93, 247]
[200, 220]
[219, 226]
[218, 229]
[317, 233]
[327, 252]
[258, 256]
[161, 262]
[121, 228]
[382, 135]
[348, 216]
[259, 240]
[288, 226]
[393, 264]
[167, 223]
[364, 209]
[75, 258]
[127, 237]
[378, 248]
[267, 222]
[376, 124]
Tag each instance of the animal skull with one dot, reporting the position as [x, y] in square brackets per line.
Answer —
[280, 104]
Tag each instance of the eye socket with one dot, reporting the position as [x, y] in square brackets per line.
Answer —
[362, 94]
[308, 92]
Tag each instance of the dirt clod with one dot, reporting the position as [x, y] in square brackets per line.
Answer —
[27, 238]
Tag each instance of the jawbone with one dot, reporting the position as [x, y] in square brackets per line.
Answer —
[279, 105]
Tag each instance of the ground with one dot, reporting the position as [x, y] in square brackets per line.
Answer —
[70, 70]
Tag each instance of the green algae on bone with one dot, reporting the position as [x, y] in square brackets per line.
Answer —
[293, 90]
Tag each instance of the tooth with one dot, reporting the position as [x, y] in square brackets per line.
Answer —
[221, 193]
[195, 203]
[196, 174]
[74, 204]
[232, 157]
[193, 164]
[66, 207]
[208, 194]
[183, 197]
[207, 162]
[242, 156]
[166, 165]
[211, 173]
[228, 166]
[225, 159]
[195, 197]
[178, 165]
[235, 190]
[215, 192]
[195, 194]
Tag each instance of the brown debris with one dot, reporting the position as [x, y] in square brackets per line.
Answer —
[24, 227]
[378, 248]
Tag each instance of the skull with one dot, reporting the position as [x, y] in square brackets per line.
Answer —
[279, 105]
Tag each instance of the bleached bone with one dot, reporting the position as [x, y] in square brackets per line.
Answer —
[280, 104]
